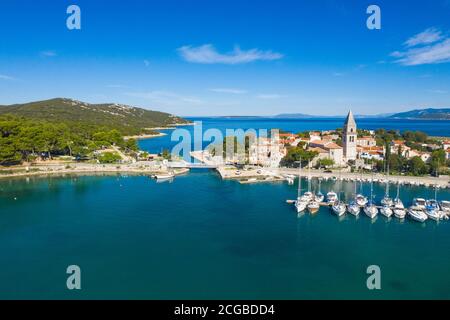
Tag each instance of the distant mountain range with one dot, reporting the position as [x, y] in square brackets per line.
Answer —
[127, 119]
[423, 114]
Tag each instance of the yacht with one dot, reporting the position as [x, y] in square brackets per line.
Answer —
[353, 208]
[331, 197]
[339, 208]
[386, 211]
[300, 203]
[400, 213]
[361, 200]
[398, 203]
[417, 214]
[370, 209]
[419, 203]
[319, 196]
[432, 210]
[387, 201]
[313, 206]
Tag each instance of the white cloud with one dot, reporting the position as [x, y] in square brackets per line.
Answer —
[228, 90]
[5, 77]
[207, 54]
[430, 35]
[338, 74]
[428, 47]
[270, 96]
[166, 98]
[48, 53]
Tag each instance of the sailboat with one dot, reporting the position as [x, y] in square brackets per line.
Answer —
[360, 199]
[399, 208]
[338, 206]
[319, 195]
[300, 204]
[313, 204]
[387, 201]
[353, 208]
[432, 207]
[370, 208]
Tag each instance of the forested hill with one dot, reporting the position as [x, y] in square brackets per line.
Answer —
[426, 114]
[126, 119]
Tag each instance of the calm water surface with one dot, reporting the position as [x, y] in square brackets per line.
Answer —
[200, 237]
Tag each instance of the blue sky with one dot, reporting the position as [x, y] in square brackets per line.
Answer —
[210, 57]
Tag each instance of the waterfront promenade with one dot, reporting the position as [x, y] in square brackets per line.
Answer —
[142, 167]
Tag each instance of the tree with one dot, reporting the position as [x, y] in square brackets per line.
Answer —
[109, 157]
[325, 162]
[417, 166]
[294, 155]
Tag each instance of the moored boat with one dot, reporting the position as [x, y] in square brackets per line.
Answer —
[313, 206]
[339, 208]
[353, 208]
[417, 214]
[386, 211]
[419, 203]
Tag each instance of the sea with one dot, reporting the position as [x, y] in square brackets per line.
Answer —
[198, 237]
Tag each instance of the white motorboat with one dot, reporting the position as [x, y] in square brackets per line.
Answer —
[339, 208]
[313, 206]
[419, 203]
[290, 180]
[164, 176]
[353, 208]
[417, 214]
[433, 213]
[386, 211]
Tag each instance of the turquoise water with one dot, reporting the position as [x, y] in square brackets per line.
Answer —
[200, 237]
[203, 238]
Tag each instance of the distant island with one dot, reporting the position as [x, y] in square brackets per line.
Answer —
[425, 114]
[418, 114]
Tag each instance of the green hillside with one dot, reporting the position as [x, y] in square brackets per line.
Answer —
[128, 120]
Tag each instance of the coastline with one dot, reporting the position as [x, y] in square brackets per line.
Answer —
[88, 169]
[145, 136]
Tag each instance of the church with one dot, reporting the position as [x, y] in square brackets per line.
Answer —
[349, 138]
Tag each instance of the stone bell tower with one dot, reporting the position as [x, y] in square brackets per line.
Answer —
[349, 137]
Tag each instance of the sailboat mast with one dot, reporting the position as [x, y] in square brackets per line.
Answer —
[299, 178]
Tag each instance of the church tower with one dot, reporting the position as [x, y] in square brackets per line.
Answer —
[349, 137]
